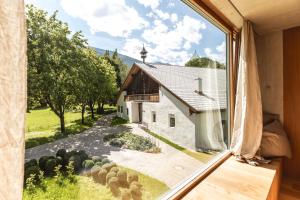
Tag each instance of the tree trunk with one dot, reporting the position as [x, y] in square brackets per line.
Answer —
[82, 113]
[62, 125]
[91, 105]
[100, 108]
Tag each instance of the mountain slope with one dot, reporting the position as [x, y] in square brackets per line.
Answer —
[126, 59]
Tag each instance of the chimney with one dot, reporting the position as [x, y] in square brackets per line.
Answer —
[199, 85]
[143, 54]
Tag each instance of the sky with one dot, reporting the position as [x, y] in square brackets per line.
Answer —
[170, 30]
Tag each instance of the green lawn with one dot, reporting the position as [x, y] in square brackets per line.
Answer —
[42, 125]
[203, 157]
[86, 189]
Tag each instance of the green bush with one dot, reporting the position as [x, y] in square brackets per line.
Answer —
[31, 170]
[116, 142]
[83, 155]
[105, 160]
[61, 153]
[122, 177]
[132, 177]
[113, 186]
[30, 163]
[76, 162]
[125, 194]
[59, 161]
[110, 175]
[118, 121]
[43, 160]
[99, 164]
[94, 173]
[96, 159]
[50, 166]
[102, 176]
[88, 164]
[108, 166]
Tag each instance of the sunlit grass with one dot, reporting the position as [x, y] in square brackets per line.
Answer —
[86, 189]
[203, 157]
[43, 126]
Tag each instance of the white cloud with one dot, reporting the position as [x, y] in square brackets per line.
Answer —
[153, 4]
[111, 16]
[162, 15]
[167, 45]
[219, 55]
[174, 17]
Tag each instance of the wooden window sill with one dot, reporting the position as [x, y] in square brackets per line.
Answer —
[234, 180]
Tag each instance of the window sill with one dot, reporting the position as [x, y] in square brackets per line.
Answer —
[229, 179]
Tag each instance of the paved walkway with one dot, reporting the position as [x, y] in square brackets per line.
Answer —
[170, 166]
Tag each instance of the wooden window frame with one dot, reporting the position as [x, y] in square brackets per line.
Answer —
[172, 116]
[233, 46]
[153, 113]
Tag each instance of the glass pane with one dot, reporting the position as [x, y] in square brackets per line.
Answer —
[130, 107]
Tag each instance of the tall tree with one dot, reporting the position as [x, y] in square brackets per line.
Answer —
[204, 62]
[51, 59]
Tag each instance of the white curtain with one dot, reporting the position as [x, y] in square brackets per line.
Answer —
[247, 129]
[12, 97]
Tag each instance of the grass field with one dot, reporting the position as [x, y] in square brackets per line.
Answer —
[43, 126]
[86, 189]
[203, 157]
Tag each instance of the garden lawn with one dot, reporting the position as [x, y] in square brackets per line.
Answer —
[87, 189]
[43, 126]
[203, 157]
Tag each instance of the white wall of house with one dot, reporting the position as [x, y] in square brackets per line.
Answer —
[184, 131]
[133, 113]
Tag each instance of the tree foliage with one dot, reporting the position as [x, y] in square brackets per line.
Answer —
[204, 62]
[62, 70]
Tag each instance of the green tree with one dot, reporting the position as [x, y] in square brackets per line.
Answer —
[52, 55]
[204, 62]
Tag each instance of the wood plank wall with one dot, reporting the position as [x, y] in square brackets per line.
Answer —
[291, 97]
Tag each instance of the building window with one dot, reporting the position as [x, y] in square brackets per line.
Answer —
[121, 109]
[171, 120]
[118, 108]
[153, 116]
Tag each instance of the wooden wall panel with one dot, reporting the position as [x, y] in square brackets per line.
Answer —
[291, 97]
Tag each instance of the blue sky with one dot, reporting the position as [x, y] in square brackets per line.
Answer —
[170, 30]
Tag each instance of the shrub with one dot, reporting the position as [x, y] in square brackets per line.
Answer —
[32, 170]
[43, 160]
[118, 121]
[122, 177]
[135, 192]
[104, 161]
[59, 161]
[113, 186]
[96, 159]
[88, 164]
[139, 185]
[102, 176]
[61, 153]
[94, 173]
[83, 155]
[116, 142]
[132, 177]
[114, 169]
[108, 166]
[76, 162]
[99, 164]
[110, 175]
[50, 166]
[30, 163]
[125, 194]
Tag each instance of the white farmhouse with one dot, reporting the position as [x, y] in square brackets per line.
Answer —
[186, 105]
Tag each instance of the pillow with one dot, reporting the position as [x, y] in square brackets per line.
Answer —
[274, 141]
[269, 117]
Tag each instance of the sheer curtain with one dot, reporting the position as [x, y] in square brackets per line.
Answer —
[247, 129]
[12, 97]
[213, 130]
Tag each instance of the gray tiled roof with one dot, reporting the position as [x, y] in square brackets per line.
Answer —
[183, 82]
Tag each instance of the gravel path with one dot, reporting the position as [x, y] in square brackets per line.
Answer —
[170, 166]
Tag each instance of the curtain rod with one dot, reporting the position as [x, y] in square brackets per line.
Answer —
[236, 9]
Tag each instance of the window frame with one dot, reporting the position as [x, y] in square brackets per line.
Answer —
[232, 49]
[172, 116]
[153, 115]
